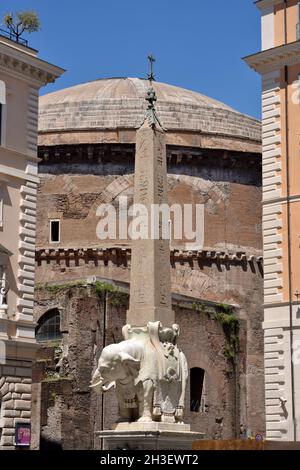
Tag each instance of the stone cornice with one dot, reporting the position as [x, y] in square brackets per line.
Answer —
[275, 58]
[27, 66]
[127, 136]
[91, 154]
[26, 156]
[15, 173]
[265, 3]
[123, 255]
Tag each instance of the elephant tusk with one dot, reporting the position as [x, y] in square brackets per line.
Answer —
[102, 388]
[108, 387]
[97, 384]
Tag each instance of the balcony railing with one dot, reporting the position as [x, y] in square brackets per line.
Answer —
[13, 37]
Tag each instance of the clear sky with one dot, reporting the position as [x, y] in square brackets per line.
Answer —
[198, 44]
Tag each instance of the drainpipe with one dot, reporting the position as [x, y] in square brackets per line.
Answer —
[286, 79]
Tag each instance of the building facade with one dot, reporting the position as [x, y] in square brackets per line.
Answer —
[87, 151]
[279, 65]
[22, 74]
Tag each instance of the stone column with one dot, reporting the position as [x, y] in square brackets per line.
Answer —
[150, 284]
[148, 369]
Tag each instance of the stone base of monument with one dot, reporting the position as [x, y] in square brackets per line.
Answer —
[149, 436]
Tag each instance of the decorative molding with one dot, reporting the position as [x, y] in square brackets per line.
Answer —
[121, 256]
[261, 4]
[275, 58]
[277, 383]
[272, 181]
[27, 65]
[6, 170]
[27, 237]
[32, 120]
[15, 153]
[176, 155]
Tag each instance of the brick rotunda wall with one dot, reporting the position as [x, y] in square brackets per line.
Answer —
[226, 268]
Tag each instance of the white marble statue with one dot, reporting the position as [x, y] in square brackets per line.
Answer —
[149, 373]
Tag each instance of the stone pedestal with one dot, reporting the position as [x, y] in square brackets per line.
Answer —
[149, 436]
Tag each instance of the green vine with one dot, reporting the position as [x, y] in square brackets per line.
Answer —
[116, 297]
[223, 313]
[57, 287]
[53, 376]
[198, 306]
[226, 317]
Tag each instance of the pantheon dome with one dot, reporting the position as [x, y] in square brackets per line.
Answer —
[110, 110]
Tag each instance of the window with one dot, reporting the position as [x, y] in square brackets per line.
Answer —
[196, 389]
[48, 328]
[2, 111]
[54, 231]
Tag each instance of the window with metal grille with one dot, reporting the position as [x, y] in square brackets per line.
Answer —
[48, 328]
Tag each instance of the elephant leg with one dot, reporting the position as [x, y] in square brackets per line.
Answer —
[146, 402]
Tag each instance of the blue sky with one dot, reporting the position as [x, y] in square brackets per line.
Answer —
[198, 44]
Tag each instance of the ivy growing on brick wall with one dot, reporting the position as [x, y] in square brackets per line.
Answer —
[227, 318]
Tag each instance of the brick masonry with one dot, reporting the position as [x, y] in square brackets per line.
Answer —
[69, 413]
[75, 179]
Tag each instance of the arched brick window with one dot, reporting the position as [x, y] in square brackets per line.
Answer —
[48, 328]
[196, 388]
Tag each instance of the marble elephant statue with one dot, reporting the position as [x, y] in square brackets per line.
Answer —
[148, 372]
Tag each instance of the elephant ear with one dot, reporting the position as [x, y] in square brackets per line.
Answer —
[131, 364]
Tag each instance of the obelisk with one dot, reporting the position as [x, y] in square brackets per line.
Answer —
[150, 285]
[148, 370]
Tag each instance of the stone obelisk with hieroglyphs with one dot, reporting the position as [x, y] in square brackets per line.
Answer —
[150, 287]
[148, 369]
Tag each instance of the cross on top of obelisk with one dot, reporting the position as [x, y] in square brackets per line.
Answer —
[151, 77]
[151, 114]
